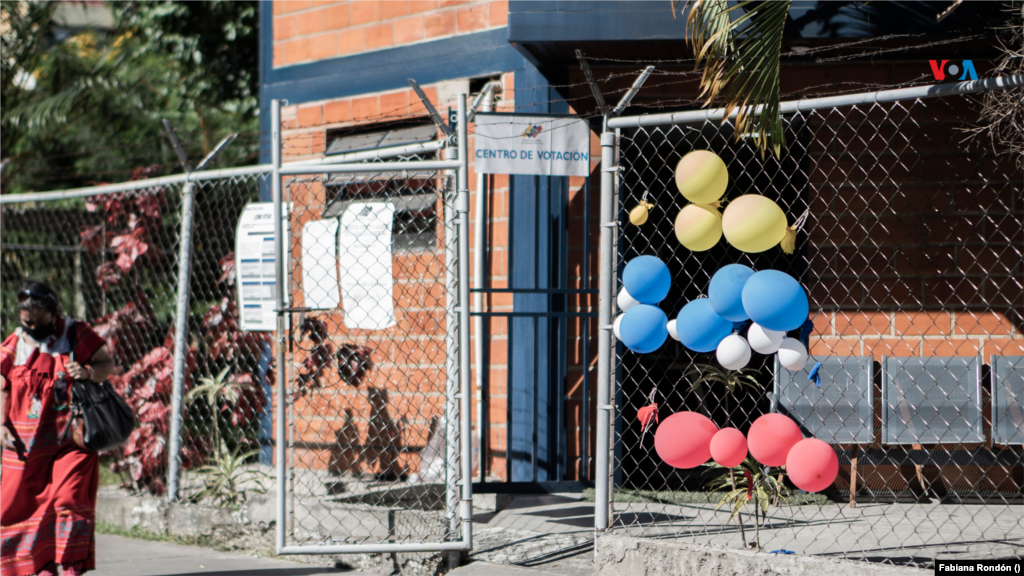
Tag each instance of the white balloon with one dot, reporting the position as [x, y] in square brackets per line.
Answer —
[763, 340]
[792, 354]
[672, 330]
[733, 352]
[615, 326]
[625, 301]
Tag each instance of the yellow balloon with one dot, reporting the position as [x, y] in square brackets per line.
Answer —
[638, 215]
[701, 177]
[753, 223]
[698, 227]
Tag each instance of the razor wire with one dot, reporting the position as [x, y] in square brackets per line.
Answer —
[912, 259]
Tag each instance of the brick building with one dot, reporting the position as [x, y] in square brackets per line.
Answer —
[902, 264]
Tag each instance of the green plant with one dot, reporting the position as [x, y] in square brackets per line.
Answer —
[221, 394]
[225, 469]
[750, 481]
[226, 481]
[741, 62]
[700, 375]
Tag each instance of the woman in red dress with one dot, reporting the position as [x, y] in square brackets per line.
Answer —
[48, 487]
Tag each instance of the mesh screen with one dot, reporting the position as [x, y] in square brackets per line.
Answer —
[374, 424]
[911, 256]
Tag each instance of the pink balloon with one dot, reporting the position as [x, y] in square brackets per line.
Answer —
[771, 437]
[683, 440]
[729, 447]
[812, 465]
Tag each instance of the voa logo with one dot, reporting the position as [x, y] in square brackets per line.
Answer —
[943, 69]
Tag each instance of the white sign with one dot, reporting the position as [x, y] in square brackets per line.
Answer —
[256, 267]
[364, 259]
[320, 264]
[518, 144]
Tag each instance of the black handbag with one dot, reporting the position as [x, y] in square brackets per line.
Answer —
[107, 417]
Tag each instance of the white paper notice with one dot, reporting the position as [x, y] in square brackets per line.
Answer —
[320, 264]
[521, 144]
[364, 260]
[255, 267]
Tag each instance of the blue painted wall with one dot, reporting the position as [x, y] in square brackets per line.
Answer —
[537, 253]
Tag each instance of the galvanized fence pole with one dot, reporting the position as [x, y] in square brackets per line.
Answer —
[451, 346]
[465, 384]
[478, 300]
[280, 335]
[604, 336]
[180, 337]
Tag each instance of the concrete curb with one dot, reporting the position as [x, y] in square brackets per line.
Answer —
[157, 516]
[629, 556]
[248, 528]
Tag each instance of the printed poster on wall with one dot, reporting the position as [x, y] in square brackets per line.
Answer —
[255, 266]
[364, 261]
[520, 144]
[319, 264]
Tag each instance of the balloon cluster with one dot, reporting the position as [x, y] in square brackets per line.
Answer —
[773, 300]
[643, 327]
[688, 439]
[751, 223]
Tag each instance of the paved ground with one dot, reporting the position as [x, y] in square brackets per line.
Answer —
[553, 534]
[118, 556]
[534, 536]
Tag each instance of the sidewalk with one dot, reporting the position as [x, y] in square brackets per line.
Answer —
[119, 556]
[534, 536]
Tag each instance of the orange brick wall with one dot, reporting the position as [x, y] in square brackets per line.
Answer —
[306, 31]
[915, 250]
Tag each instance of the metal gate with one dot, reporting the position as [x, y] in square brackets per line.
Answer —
[377, 419]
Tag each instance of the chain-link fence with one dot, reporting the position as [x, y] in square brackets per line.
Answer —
[370, 428]
[911, 255]
[374, 454]
[113, 259]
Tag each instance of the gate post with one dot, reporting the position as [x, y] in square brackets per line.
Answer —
[465, 396]
[602, 473]
[280, 441]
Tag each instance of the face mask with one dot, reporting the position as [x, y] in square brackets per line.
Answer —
[39, 333]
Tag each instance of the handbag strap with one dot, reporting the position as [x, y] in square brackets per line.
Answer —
[71, 332]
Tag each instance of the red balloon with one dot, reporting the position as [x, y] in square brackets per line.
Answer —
[812, 465]
[683, 440]
[771, 437]
[729, 447]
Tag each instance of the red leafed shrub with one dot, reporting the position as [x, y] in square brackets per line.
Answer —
[124, 329]
[146, 371]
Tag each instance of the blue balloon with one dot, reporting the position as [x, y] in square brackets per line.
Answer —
[726, 291]
[647, 279]
[644, 328]
[700, 328]
[775, 300]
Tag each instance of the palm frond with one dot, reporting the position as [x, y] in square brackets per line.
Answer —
[741, 63]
